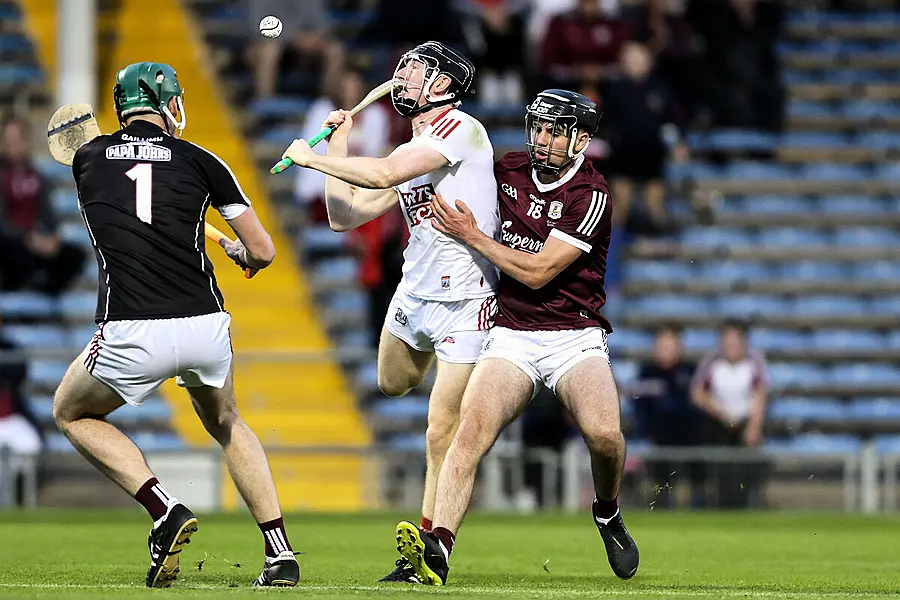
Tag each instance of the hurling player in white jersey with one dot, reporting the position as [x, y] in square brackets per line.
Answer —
[445, 302]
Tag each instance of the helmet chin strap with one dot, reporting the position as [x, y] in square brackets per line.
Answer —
[179, 125]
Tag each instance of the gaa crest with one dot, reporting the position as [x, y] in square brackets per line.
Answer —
[555, 211]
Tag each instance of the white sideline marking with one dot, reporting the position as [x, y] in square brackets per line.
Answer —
[481, 591]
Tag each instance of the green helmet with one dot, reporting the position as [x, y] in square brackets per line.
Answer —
[147, 87]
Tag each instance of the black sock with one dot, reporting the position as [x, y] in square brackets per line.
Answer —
[275, 537]
[154, 497]
[605, 509]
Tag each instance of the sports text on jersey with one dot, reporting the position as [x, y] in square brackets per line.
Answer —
[138, 151]
[519, 242]
[417, 203]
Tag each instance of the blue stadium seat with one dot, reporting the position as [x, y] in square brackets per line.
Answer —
[37, 337]
[874, 408]
[776, 204]
[680, 171]
[887, 444]
[893, 340]
[367, 376]
[511, 137]
[749, 305]
[880, 269]
[506, 112]
[853, 205]
[778, 339]
[401, 409]
[78, 305]
[81, 335]
[827, 305]
[792, 237]
[658, 270]
[852, 375]
[407, 442]
[796, 374]
[833, 172]
[9, 11]
[56, 442]
[866, 237]
[759, 171]
[629, 340]
[672, 305]
[76, 233]
[813, 139]
[65, 201]
[41, 407]
[815, 443]
[319, 238]
[281, 135]
[53, 171]
[733, 140]
[885, 305]
[837, 339]
[46, 373]
[353, 339]
[625, 371]
[867, 110]
[20, 74]
[804, 409]
[14, 43]
[807, 109]
[280, 107]
[700, 340]
[26, 305]
[881, 140]
[149, 441]
[812, 270]
[887, 172]
[715, 237]
[731, 271]
[336, 270]
[796, 76]
[349, 301]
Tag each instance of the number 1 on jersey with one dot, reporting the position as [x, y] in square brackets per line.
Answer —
[142, 176]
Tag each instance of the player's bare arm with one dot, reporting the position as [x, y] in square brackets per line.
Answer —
[254, 248]
[533, 270]
[349, 206]
[403, 164]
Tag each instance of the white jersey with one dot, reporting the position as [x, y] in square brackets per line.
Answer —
[437, 267]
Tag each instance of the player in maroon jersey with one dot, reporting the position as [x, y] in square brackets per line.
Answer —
[555, 214]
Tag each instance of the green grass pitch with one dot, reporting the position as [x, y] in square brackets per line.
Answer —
[99, 554]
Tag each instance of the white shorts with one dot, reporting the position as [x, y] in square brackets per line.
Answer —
[136, 357]
[545, 356]
[454, 331]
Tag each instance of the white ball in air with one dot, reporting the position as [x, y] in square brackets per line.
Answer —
[270, 27]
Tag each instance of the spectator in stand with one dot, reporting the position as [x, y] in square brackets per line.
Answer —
[581, 47]
[402, 24]
[370, 137]
[31, 253]
[639, 111]
[307, 34]
[18, 429]
[494, 31]
[662, 26]
[731, 386]
[665, 415]
[744, 74]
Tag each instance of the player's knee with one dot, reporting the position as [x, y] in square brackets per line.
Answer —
[220, 425]
[474, 435]
[439, 434]
[605, 441]
[394, 385]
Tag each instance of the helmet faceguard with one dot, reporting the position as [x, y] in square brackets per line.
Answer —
[420, 68]
[560, 113]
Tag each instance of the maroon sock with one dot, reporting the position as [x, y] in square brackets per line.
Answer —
[426, 524]
[153, 497]
[275, 537]
[446, 537]
[605, 509]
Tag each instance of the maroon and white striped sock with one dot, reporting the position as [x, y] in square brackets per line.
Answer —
[154, 498]
[275, 537]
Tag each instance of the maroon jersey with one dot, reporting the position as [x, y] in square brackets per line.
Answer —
[577, 210]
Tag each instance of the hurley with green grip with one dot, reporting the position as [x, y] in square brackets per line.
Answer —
[371, 97]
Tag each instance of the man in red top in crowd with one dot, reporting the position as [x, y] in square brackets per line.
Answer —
[556, 223]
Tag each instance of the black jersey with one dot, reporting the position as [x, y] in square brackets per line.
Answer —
[143, 196]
